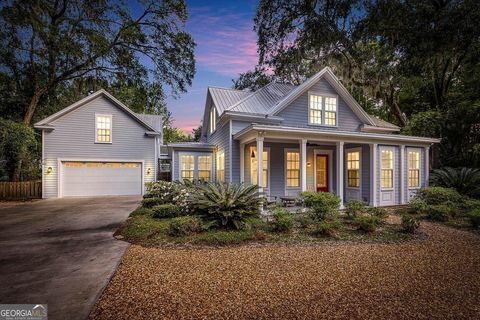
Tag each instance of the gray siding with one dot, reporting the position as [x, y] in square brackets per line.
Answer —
[222, 139]
[236, 127]
[195, 153]
[365, 174]
[74, 138]
[296, 114]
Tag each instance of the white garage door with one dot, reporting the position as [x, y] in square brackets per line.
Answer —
[101, 178]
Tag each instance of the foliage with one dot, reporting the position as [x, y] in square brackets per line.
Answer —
[197, 133]
[417, 206]
[327, 227]
[323, 204]
[465, 180]
[438, 195]
[354, 208]
[18, 144]
[367, 223]
[47, 44]
[409, 223]
[175, 135]
[378, 212]
[152, 202]
[474, 217]
[282, 220]
[166, 210]
[253, 80]
[170, 192]
[440, 212]
[224, 238]
[141, 212]
[182, 226]
[228, 204]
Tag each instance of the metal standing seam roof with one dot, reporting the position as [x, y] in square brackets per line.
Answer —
[262, 100]
[224, 98]
[156, 121]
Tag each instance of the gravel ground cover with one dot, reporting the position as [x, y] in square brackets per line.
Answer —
[435, 277]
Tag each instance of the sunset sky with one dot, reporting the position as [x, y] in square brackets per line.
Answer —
[226, 46]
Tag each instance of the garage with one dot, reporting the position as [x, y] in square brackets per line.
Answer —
[96, 178]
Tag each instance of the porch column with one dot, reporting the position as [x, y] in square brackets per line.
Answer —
[340, 161]
[303, 164]
[403, 174]
[242, 162]
[373, 174]
[260, 163]
[427, 165]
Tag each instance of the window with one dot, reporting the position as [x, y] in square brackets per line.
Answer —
[414, 169]
[204, 168]
[353, 169]
[253, 163]
[315, 109]
[221, 167]
[187, 167]
[103, 128]
[213, 120]
[293, 169]
[322, 110]
[330, 111]
[386, 175]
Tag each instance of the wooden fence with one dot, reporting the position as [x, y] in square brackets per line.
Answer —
[21, 190]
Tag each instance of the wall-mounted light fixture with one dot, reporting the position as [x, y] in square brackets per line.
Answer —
[49, 170]
[309, 164]
[149, 170]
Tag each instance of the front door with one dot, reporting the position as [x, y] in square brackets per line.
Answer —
[322, 172]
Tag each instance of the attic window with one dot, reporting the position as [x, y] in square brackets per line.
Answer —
[213, 120]
[103, 128]
[322, 110]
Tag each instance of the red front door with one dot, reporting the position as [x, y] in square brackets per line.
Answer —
[322, 172]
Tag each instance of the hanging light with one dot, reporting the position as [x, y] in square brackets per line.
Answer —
[253, 154]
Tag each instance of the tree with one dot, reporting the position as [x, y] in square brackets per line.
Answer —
[197, 133]
[171, 134]
[253, 79]
[46, 44]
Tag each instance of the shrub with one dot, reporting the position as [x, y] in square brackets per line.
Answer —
[465, 180]
[282, 220]
[323, 204]
[468, 205]
[305, 220]
[417, 206]
[380, 213]
[152, 202]
[141, 212]
[409, 223]
[354, 208]
[222, 238]
[170, 192]
[166, 210]
[228, 204]
[367, 223]
[474, 217]
[184, 226]
[438, 195]
[327, 227]
[439, 212]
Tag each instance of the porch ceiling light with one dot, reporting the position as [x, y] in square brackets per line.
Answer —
[309, 164]
[252, 155]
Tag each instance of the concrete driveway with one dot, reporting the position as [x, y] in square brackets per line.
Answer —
[60, 251]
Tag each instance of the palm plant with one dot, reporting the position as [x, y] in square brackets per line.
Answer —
[227, 204]
[465, 180]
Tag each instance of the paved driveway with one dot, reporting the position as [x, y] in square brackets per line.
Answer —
[60, 252]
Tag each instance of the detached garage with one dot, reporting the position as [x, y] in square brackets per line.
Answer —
[98, 147]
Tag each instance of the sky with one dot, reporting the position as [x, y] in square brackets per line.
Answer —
[226, 46]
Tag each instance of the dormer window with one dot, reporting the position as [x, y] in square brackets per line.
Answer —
[213, 120]
[322, 110]
[103, 128]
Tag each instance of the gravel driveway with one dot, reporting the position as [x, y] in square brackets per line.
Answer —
[438, 277]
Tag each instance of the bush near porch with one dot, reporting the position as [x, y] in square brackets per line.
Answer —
[221, 214]
[444, 205]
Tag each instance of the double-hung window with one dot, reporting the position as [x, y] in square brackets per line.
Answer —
[187, 167]
[322, 110]
[221, 167]
[293, 169]
[413, 169]
[204, 168]
[213, 120]
[353, 169]
[254, 166]
[103, 128]
[386, 175]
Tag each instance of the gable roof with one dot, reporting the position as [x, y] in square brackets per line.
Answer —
[262, 100]
[223, 98]
[47, 122]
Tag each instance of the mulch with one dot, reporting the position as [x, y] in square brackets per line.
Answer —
[434, 278]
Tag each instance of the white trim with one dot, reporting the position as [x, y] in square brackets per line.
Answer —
[373, 174]
[242, 163]
[404, 176]
[43, 165]
[420, 174]
[393, 189]
[195, 155]
[96, 128]
[427, 165]
[359, 150]
[212, 120]
[329, 153]
[323, 95]
[217, 162]
[60, 167]
[230, 148]
[292, 150]
[267, 149]
[303, 164]
[340, 171]
[369, 128]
